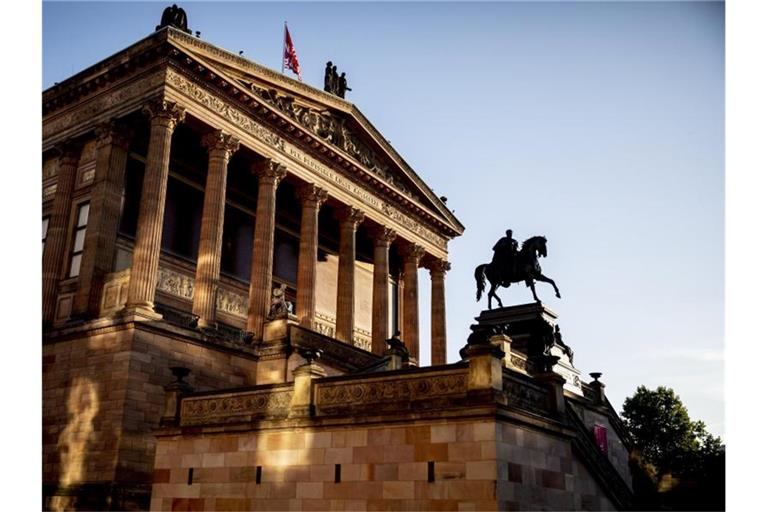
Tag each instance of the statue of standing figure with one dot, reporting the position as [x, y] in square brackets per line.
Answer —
[333, 83]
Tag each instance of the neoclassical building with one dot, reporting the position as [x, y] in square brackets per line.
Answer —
[231, 314]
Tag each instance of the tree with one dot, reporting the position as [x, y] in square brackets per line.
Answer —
[671, 445]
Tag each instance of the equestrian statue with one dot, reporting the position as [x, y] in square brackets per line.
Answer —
[512, 266]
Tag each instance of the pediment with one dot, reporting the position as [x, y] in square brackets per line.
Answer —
[333, 120]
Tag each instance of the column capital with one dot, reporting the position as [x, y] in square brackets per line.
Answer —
[384, 236]
[164, 111]
[311, 195]
[218, 141]
[349, 216]
[438, 268]
[412, 252]
[113, 133]
[269, 171]
[68, 152]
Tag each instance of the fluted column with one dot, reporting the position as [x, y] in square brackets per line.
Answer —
[270, 174]
[411, 255]
[104, 216]
[164, 117]
[380, 320]
[56, 241]
[220, 148]
[349, 219]
[437, 270]
[311, 197]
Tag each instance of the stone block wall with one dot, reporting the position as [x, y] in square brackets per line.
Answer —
[540, 472]
[617, 451]
[102, 397]
[441, 464]
[379, 468]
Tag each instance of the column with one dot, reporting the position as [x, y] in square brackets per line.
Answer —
[383, 238]
[437, 270]
[311, 197]
[56, 241]
[106, 197]
[164, 117]
[220, 148]
[270, 173]
[411, 256]
[349, 219]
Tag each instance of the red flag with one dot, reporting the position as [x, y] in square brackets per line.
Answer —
[290, 60]
[601, 437]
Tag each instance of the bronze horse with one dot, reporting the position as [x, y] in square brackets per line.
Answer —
[525, 268]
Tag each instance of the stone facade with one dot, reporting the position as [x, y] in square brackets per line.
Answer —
[210, 181]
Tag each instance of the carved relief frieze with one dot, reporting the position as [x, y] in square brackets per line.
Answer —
[398, 390]
[242, 120]
[225, 109]
[87, 112]
[526, 396]
[232, 303]
[235, 408]
[175, 283]
[332, 129]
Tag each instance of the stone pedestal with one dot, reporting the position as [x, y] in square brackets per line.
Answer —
[302, 400]
[278, 329]
[531, 328]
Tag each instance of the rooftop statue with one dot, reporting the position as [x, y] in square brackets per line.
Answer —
[333, 83]
[174, 16]
[512, 266]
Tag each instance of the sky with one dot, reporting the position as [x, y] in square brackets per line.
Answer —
[599, 125]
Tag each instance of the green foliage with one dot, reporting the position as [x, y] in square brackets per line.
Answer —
[669, 443]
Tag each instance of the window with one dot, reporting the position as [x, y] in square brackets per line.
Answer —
[45, 229]
[182, 219]
[77, 247]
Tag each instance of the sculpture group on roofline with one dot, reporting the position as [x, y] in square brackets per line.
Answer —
[335, 83]
[510, 265]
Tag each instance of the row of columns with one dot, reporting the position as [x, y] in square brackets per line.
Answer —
[99, 247]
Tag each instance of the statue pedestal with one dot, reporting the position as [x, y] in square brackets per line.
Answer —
[278, 329]
[531, 328]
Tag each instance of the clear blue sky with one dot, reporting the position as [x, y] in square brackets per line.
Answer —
[599, 125]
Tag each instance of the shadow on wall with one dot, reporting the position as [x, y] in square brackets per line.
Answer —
[82, 407]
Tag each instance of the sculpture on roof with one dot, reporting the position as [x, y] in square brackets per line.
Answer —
[512, 266]
[333, 83]
[174, 16]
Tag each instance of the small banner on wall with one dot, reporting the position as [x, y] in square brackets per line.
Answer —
[601, 437]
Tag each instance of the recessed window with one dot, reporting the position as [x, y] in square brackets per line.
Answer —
[77, 246]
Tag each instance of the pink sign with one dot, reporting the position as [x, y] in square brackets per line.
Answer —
[601, 437]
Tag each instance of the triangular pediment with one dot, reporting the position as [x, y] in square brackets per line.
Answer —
[334, 121]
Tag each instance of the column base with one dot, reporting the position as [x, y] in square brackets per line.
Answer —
[141, 312]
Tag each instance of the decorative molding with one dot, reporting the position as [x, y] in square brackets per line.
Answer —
[438, 268]
[49, 191]
[225, 110]
[91, 110]
[311, 195]
[235, 408]
[526, 396]
[220, 142]
[332, 129]
[244, 121]
[392, 390]
[160, 110]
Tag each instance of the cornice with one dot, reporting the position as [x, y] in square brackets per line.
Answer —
[209, 77]
[176, 46]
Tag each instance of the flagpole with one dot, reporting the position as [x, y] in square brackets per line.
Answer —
[282, 54]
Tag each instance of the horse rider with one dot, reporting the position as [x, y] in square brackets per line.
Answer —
[504, 253]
